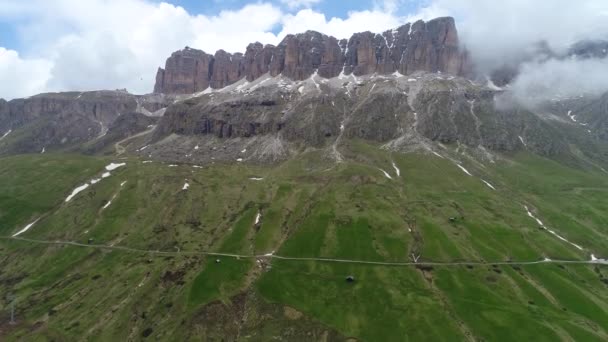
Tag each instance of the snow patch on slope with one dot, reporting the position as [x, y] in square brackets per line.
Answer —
[108, 204]
[6, 134]
[109, 167]
[550, 230]
[114, 166]
[488, 184]
[397, 171]
[464, 170]
[522, 140]
[76, 191]
[258, 217]
[386, 174]
[26, 228]
[437, 154]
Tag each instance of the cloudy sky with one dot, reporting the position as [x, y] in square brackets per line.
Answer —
[56, 45]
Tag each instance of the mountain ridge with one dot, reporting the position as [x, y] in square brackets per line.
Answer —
[431, 46]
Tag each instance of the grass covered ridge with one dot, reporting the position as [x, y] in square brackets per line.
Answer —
[308, 207]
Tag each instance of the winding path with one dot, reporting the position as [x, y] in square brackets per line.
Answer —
[278, 257]
[120, 149]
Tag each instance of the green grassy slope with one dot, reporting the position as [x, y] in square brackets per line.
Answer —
[309, 208]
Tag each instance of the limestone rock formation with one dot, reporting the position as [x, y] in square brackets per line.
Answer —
[226, 69]
[422, 46]
[63, 120]
[398, 112]
[186, 71]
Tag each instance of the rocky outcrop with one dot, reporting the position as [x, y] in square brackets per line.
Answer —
[257, 60]
[422, 46]
[186, 71]
[403, 113]
[62, 120]
[124, 126]
[226, 69]
[4, 117]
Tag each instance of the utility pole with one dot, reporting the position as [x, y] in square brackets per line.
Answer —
[11, 299]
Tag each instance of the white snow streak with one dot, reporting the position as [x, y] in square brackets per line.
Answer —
[386, 174]
[572, 117]
[256, 178]
[107, 204]
[257, 218]
[489, 185]
[114, 166]
[599, 260]
[5, 134]
[437, 154]
[312, 77]
[43, 150]
[522, 141]
[464, 170]
[396, 169]
[564, 239]
[123, 184]
[551, 231]
[186, 186]
[534, 217]
[26, 228]
[76, 191]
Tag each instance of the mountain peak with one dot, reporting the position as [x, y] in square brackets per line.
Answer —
[421, 46]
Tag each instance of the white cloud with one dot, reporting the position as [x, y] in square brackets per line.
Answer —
[375, 21]
[498, 31]
[538, 82]
[22, 77]
[389, 6]
[294, 4]
[109, 44]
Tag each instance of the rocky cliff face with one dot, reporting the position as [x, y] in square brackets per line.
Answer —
[186, 71]
[268, 119]
[422, 46]
[62, 120]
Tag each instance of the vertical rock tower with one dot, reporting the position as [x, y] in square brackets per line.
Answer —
[422, 46]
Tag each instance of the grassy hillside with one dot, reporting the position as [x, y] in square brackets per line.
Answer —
[141, 271]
